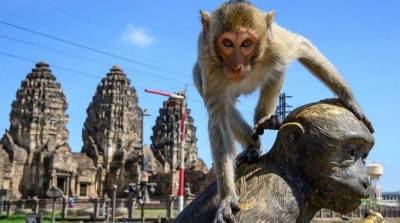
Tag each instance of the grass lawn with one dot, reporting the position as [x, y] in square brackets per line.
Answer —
[151, 213]
[20, 218]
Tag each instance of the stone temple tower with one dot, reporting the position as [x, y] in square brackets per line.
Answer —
[165, 136]
[112, 130]
[37, 131]
[165, 146]
[38, 117]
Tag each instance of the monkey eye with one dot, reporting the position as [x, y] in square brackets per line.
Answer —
[227, 43]
[246, 43]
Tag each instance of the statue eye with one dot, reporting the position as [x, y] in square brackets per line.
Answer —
[247, 43]
[227, 43]
[364, 156]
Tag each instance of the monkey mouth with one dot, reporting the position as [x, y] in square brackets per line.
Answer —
[236, 77]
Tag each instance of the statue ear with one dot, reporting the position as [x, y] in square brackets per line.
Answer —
[205, 20]
[288, 135]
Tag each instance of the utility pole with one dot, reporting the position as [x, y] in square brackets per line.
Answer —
[143, 113]
[281, 109]
[182, 136]
[114, 198]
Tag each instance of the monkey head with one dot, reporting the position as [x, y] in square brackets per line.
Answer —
[326, 145]
[236, 35]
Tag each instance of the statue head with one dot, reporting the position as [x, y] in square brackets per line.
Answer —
[326, 145]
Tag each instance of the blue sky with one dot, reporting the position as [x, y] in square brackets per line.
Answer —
[360, 37]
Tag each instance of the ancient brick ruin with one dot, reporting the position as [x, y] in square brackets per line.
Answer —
[112, 132]
[165, 146]
[35, 155]
[36, 142]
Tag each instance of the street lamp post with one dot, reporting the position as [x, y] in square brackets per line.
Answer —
[139, 191]
[54, 193]
[133, 193]
[143, 192]
[114, 197]
[143, 113]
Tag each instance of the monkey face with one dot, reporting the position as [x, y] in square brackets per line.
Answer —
[329, 146]
[344, 180]
[334, 168]
[235, 36]
[236, 51]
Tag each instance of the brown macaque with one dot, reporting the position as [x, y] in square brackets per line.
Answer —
[240, 49]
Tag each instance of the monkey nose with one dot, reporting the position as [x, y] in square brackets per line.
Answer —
[237, 68]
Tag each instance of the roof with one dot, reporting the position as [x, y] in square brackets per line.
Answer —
[84, 161]
[397, 193]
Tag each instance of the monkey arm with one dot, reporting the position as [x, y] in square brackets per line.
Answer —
[268, 95]
[223, 151]
[241, 130]
[319, 65]
[198, 82]
[222, 145]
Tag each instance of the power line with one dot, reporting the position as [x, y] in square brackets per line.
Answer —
[76, 34]
[59, 67]
[86, 74]
[76, 16]
[88, 48]
[69, 70]
[63, 52]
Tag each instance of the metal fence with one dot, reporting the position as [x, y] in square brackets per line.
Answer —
[163, 208]
[387, 212]
[92, 209]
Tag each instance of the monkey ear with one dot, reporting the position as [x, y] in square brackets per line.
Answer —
[269, 18]
[288, 135]
[205, 20]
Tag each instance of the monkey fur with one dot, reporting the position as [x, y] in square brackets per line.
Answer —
[240, 49]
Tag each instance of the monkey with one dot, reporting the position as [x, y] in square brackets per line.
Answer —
[241, 49]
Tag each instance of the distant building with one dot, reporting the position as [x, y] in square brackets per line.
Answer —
[165, 146]
[375, 171]
[391, 196]
[35, 155]
[112, 132]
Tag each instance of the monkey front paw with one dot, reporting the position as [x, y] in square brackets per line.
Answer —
[226, 210]
[267, 122]
[354, 108]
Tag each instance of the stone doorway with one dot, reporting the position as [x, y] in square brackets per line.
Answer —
[62, 184]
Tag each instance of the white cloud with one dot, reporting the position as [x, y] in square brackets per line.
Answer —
[137, 36]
